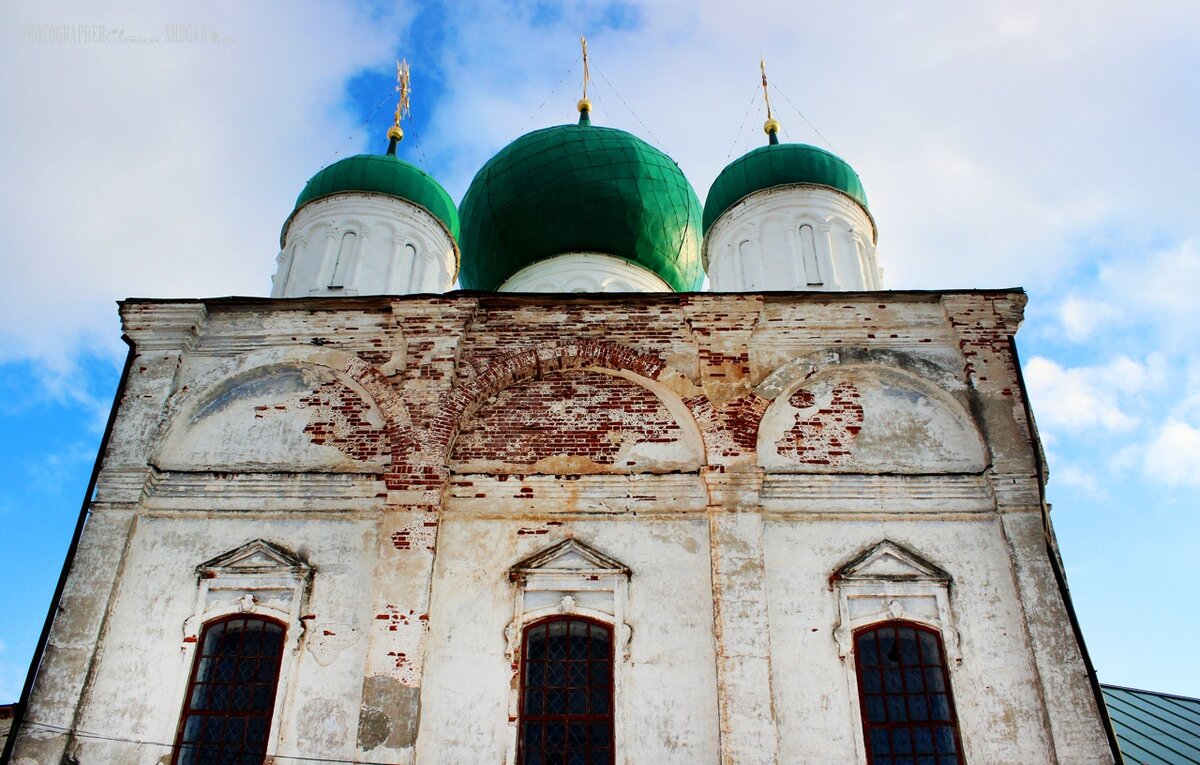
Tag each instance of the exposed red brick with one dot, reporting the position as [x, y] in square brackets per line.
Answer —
[824, 437]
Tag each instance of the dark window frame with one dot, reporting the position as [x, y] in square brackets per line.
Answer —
[525, 670]
[906, 696]
[188, 711]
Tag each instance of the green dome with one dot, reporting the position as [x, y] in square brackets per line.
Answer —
[384, 174]
[779, 164]
[580, 188]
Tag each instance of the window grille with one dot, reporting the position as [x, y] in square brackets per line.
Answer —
[231, 696]
[907, 707]
[566, 693]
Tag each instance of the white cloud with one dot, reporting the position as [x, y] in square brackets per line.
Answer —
[1079, 475]
[1090, 397]
[1081, 317]
[162, 169]
[1151, 292]
[984, 134]
[1125, 459]
[1174, 455]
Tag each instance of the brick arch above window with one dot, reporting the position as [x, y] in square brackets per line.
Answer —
[579, 421]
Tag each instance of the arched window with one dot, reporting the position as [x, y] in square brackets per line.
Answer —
[808, 254]
[907, 708]
[345, 255]
[566, 693]
[227, 713]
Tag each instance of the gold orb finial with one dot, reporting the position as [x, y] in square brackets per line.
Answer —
[584, 105]
[395, 133]
[771, 126]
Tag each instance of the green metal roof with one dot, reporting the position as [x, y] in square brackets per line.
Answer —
[384, 174]
[580, 188]
[779, 164]
[1154, 728]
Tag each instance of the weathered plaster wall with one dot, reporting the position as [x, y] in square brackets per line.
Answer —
[666, 702]
[996, 689]
[868, 419]
[158, 595]
[729, 452]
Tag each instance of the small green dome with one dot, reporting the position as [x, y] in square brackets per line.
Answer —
[580, 188]
[383, 174]
[780, 164]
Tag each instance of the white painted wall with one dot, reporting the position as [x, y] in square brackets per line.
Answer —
[996, 690]
[665, 691]
[584, 272]
[797, 237]
[364, 244]
[139, 687]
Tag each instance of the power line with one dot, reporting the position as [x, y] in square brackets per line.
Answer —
[806, 119]
[542, 105]
[742, 127]
[387, 97]
[631, 111]
[171, 747]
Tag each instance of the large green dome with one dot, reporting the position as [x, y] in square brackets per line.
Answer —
[780, 164]
[580, 188]
[383, 174]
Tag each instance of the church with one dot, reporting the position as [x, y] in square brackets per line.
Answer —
[580, 511]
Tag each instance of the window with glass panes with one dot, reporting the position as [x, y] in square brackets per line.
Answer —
[566, 693]
[231, 696]
[907, 708]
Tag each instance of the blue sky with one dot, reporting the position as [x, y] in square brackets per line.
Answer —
[1043, 145]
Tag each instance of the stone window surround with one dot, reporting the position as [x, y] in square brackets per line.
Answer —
[251, 573]
[885, 583]
[592, 572]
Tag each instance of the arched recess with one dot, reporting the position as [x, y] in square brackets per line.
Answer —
[285, 410]
[867, 412]
[574, 408]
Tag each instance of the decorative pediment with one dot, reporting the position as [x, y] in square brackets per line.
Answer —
[888, 561]
[257, 557]
[889, 582]
[569, 556]
[569, 578]
[257, 577]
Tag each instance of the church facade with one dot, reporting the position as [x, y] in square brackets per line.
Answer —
[580, 512]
